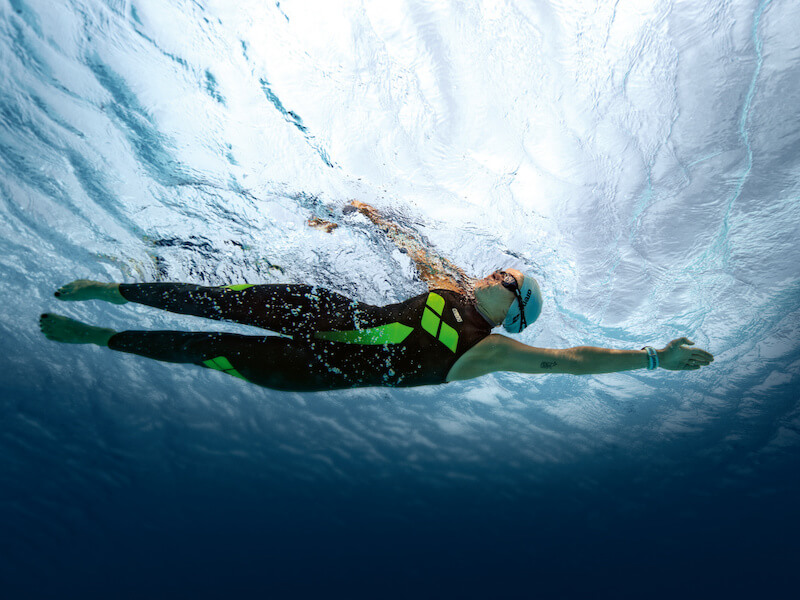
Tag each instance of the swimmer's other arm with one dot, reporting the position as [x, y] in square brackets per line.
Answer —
[435, 270]
[501, 353]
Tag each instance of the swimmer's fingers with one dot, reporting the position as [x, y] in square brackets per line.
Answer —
[361, 206]
[677, 343]
[703, 356]
[697, 359]
[696, 353]
[677, 357]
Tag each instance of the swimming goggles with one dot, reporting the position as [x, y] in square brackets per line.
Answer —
[510, 283]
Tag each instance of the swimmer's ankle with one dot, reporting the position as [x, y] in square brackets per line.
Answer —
[113, 294]
[101, 336]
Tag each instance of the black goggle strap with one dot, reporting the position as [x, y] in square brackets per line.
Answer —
[522, 322]
[518, 293]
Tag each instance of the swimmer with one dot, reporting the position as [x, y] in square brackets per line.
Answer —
[333, 342]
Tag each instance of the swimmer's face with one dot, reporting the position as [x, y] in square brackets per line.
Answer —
[495, 293]
[497, 278]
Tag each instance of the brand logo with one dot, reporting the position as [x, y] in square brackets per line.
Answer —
[432, 322]
[457, 316]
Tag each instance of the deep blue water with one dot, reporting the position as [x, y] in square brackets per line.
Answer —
[641, 159]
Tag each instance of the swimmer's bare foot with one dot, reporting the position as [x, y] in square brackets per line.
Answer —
[86, 289]
[69, 331]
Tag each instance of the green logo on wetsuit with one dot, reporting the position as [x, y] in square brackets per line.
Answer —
[433, 324]
[391, 333]
[223, 364]
[238, 287]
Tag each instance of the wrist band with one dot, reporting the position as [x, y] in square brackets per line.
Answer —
[652, 358]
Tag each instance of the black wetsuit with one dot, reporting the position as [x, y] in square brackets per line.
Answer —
[335, 342]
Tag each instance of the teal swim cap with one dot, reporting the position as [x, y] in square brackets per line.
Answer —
[526, 307]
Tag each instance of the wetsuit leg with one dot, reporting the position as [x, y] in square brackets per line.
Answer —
[270, 361]
[289, 309]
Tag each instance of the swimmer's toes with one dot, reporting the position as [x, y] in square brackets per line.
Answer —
[62, 329]
[65, 292]
[46, 325]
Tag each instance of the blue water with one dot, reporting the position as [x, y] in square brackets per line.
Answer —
[640, 158]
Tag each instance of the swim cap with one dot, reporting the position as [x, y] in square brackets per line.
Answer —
[531, 297]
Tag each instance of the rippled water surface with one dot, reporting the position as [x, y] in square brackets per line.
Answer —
[642, 159]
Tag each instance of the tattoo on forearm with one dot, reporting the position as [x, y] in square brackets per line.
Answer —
[548, 365]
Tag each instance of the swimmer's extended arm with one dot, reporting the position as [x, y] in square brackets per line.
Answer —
[435, 270]
[501, 353]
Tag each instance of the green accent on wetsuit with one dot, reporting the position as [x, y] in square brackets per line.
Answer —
[391, 333]
[223, 364]
[239, 286]
[448, 336]
[436, 302]
[433, 324]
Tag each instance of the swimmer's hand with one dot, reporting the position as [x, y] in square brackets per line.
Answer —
[322, 224]
[362, 207]
[675, 356]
